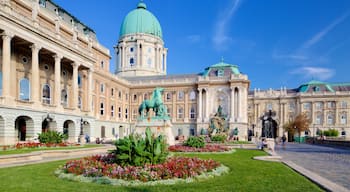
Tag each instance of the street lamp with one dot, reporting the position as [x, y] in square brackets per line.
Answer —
[81, 126]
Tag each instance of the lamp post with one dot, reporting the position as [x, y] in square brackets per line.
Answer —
[81, 126]
[81, 136]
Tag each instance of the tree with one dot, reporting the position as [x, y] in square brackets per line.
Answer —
[300, 123]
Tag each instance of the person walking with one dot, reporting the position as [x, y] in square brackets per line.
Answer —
[284, 138]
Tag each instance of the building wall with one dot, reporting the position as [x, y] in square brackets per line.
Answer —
[48, 46]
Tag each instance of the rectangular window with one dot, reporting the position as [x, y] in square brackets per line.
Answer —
[344, 104]
[42, 3]
[307, 106]
[134, 114]
[126, 113]
[112, 111]
[168, 96]
[319, 105]
[180, 113]
[180, 95]
[102, 88]
[102, 109]
[291, 106]
[119, 112]
[330, 104]
[269, 106]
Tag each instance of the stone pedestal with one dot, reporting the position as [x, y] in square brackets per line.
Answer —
[158, 127]
[82, 139]
[270, 144]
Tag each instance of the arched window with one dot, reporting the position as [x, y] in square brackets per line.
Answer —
[192, 95]
[112, 111]
[24, 89]
[132, 62]
[64, 98]
[46, 96]
[145, 96]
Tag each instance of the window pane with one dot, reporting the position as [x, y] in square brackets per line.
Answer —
[24, 89]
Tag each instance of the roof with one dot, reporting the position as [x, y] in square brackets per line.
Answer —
[221, 65]
[140, 20]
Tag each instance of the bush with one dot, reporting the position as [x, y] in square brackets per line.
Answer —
[219, 138]
[136, 151]
[193, 141]
[51, 137]
[331, 133]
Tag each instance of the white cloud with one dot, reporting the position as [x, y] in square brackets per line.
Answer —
[194, 38]
[318, 73]
[220, 38]
[318, 36]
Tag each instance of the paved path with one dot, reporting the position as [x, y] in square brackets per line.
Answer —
[328, 162]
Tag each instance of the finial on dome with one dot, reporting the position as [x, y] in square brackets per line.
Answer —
[141, 5]
[222, 59]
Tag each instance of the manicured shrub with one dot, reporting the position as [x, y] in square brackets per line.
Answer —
[195, 141]
[135, 150]
[218, 138]
[331, 133]
[51, 137]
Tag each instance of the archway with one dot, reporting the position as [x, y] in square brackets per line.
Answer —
[24, 126]
[69, 130]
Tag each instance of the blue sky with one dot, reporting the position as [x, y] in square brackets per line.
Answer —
[276, 43]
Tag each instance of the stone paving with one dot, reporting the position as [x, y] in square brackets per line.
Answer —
[329, 162]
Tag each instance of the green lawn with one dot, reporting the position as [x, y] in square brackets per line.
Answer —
[245, 174]
[28, 150]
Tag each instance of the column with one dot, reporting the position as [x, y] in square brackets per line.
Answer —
[6, 63]
[159, 57]
[75, 89]
[336, 122]
[89, 92]
[138, 54]
[165, 61]
[206, 104]
[57, 79]
[155, 58]
[187, 108]
[232, 118]
[199, 105]
[35, 83]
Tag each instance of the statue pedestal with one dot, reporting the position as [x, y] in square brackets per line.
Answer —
[270, 144]
[158, 127]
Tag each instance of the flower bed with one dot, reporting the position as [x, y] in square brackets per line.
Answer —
[206, 148]
[31, 145]
[172, 168]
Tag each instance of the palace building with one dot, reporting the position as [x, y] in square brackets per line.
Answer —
[55, 76]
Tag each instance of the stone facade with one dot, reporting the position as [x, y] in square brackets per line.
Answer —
[55, 75]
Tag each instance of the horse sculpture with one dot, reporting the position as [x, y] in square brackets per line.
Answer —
[155, 103]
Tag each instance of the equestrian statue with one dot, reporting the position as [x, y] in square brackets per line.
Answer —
[155, 103]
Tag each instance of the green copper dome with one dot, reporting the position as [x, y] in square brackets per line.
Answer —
[140, 20]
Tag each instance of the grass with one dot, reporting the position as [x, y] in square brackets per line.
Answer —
[28, 150]
[245, 174]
